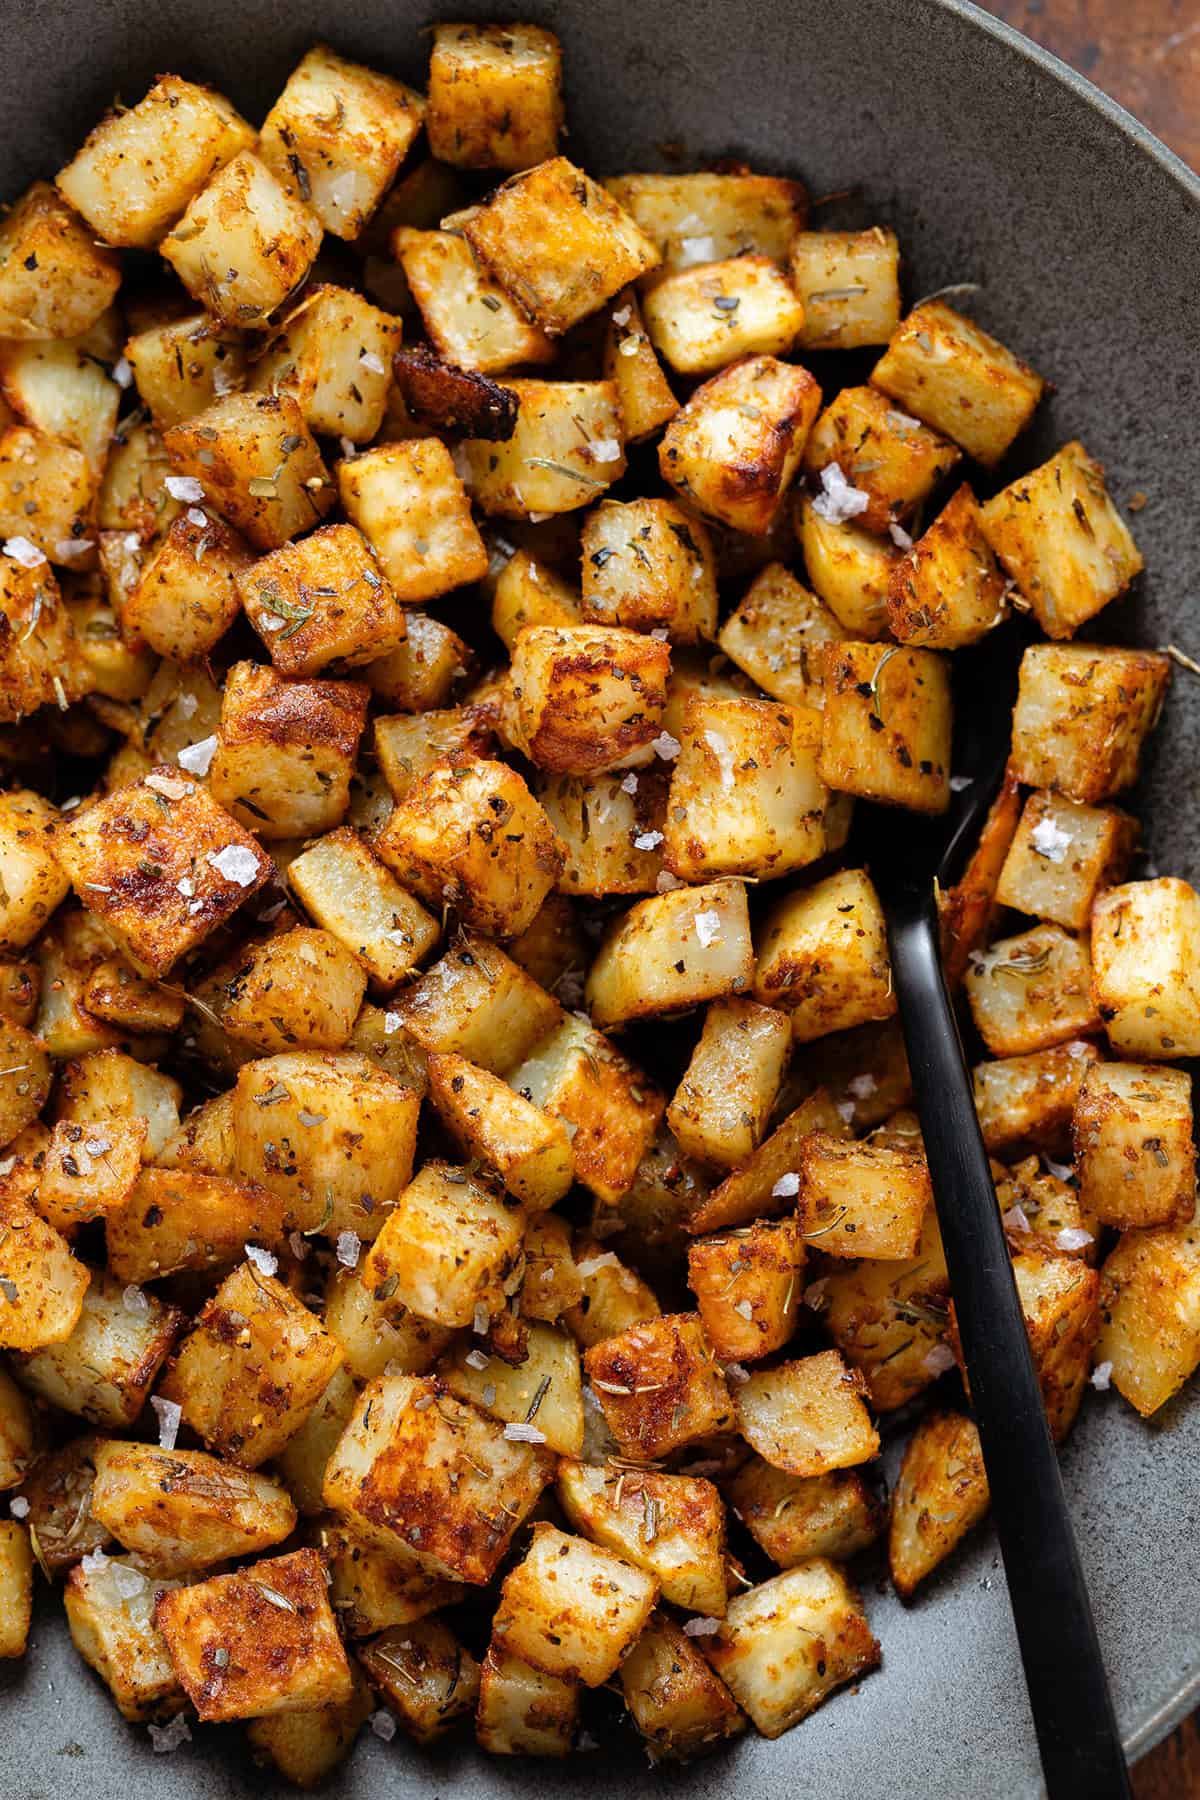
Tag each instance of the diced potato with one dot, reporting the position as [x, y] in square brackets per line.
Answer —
[886, 725]
[371, 1588]
[254, 1365]
[108, 1084]
[142, 165]
[702, 318]
[16, 1588]
[528, 592]
[948, 591]
[1042, 1207]
[601, 820]
[376, 1335]
[736, 445]
[559, 243]
[61, 388]
[610, 1109]
[1150, 1315]
[747, 1287]
[55, 279]
[850, 569]
[104, 1370]
[275, 1624]
[354, 898]
[680, 1707]
[672, 1526]
[1032, 991]
[612, 1299]
[530, 1151]
[891, 458]
[647, 565]
[116, 993]
[643, 391]
[1031, 1099]
[795, 1517]
[440, 1479]
[322, 600]
[59, 1490]
[807, 1417]
[553, 1285]
[305, 1747]
[16, 1433]
[339, 132]
[408, 501]
[701, 218]
[446, 1249]
[258, 464]
[588, 697]
[671, 951]
[181, 1510]
[186, 597]
[522, 1711]
[1062, 540]
[47, 497]
[246, 213]
[333, 354]
[941, 1492]
[865, 1071]
[478, 1003]
[823, 957]
[110, 1615]
[300, 987]
[408, 748]
[862, 1199]
[203, 1140]
[572, 1608]
[302, 1461]
[182, 365]
[1061, 1300]
[477, 838]
[286, 750]
[544, 1393]
[380, 1038]
[418, 675]
[187, 1219]
[1134, 1154]
[428, 1679]
[568, 446]
[849, 282]
[759, 1187]
[1061, 857]
[720, 1109]
[42, 1286]
[1082, 715]
[1145, 944]
[32, 884]
[959, 379]
[469, 317]
[495, 95]
[785, 1645]
[775, 636]
[659, 1386]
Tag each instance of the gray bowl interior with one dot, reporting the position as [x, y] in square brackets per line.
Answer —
[995, 166]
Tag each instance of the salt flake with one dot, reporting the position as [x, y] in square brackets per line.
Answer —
[122, 374]
[1050, 841]
[235, 863]
[169, 1414]
[862, 1086]
[348, 1246]
[383, 1725]
[606, 450]
[900, 537]
[938, 1360]
[666, 746]
[263, 1260]
[183, 487]
[1102, 1376]
[701, 1627]
[630, 784]
[708, 928]
[391, 1023]
[520, 1433]
[1073, 1237]
[24, 552]
[1017, 1219]
[960, 783]
[166, 1738]
[197, 758]
[649, 840]
[18, 1506]
[786, 1188]
[134, 1300]
[369, 360]
[838, 500]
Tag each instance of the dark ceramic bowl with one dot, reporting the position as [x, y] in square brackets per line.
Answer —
[996, 165]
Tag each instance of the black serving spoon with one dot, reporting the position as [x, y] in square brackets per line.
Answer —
[1064, 1670]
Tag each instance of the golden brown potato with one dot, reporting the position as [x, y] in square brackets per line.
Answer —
[1082, 715]
[643, 391]
[322, 600]
[55, 279]
[862, 1199]
[720, 1109]
[32, 881]
[1023, 1100]
[42, 1286]
[672, 951]
[522, 1711]
[886, 725]
[823, 957]
[660, 1386]
[307, 1746]
[748, 1287]
[807, 1417]
[409, 502]
[959, 379]
[181, 1510]
[447, 1248]
[529, 1151]
[648, 565]
[940, 1494]
[495, 95]
[849, 282]
[768, 1177]
[572, 1608]
[1144, 959]
[706, 217]
[795, 1517]
[776, 635]
[734, 448]
[426, 1676]
[566, 448]
[588, 697]
[948, 590]
[257, 463]
[578, 1075]
[680, 1707]
[16, 1588]
[1149, 1341]
[703, 317]
[470, 318]
[110, 1615]
[1134, 1153]
[104, 1370]
[891, 461]
[1032, 991]
[244, 243]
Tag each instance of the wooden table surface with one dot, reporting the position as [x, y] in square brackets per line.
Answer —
[1146, 54]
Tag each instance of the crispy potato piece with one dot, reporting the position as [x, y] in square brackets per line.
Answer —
[578, 1075]
[941, 1492]
[1134, 1152]
[1144, 938]
[948, 590]
[323, 600]
[544, 1393]
[243, 212]
[1025, 1100]
[703, 317]
[572, 1608]
[671, 951]
[885, 725]
[180, 366]
[110, 1615]
[16, 1433]
[42, 1286]
[32, 882]
[307, 1746]
[59, 1490]
[1082, 715]
[1032, 991]
[849, 282]
[706, 217]
[776, 634]
[720, 1109]
[55, 279]
[1149, 1341]
[105, 1369]
[522, 1711]
[41, 658]
[796, 1517]
[447, 1248]
[823, 957]
[851, 570]
[495, 95]
[672, 1526]
[286, 750]
[182, 1510]
[959, 379]
[659, 1386]
[258, 464]
[409, 502]
[302, 1461]
[180, 1218]
[470, 319]
[677, 1703]
[1063, 854]
[452, 399]
[552, 1283]
[747, 1287]
[1046, 1209]
[601, 819]
[759, 1187]
[428, 1679]
[530, 1151]
[352, 896]
[648, 565]
[118, 995]
[16, 1588]
[377, 1336]
[862, 1200]
[588, 697]
[734, 448]
[807, 1417]
[1061, 1300]
[643, 391]
[409, 748]
[567, 447]
[892, 459]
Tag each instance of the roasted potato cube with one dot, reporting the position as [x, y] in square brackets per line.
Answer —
[540, 1401]
[885, 725]
[1134, 1155]
[55, 279]
[333, 354]
[720, 1109]
[680, 1707]
[58, 1488]
[16, 1588]
[61, 388]
[807, 1417]
[322, 600]
[941, 1492]
[849, 283]
[947, 591]
[553, 1285]
[522, 1711]
[775, 636]
[702, 318]
[648, 963]
[568, 446]
[1047, 1209]
[1061, 1300]
[118, 995]
[426, 1676]
[286, 750]
[376, 1335]
[350, 894]
[307, 1746]
[891, 461]
[441, 1479]
[47, 500]
[110, 1615]
[69, 953]
[446, 1249]
[42, 1286]
[659, 1386]
[188, 1219]
[258, 463]
[588, 697]
[409, 503]
[572, 1608]
[647, 565]
[182, 365]
[1032, 991]
[182, 1510]
[1062, 540]
[643, 391]
[480, 1004]
[338, 132]
[1031, 1099]
[1083, 712]
[795, 1517]
[469, 318]
[477, 838]
[759, 1186]
[703, 218]
[142, 165]
[528, 592]
[824, 959]
[302, 1461]
[371, 1588]
[203, 1140]
[254, 1365]
[301, 989]
[959, 379]
[380, 1038]
[105, 1369]
[578, 1075]
[529, 1150]
[559, 243]
[1145, 940]
[865, 1071]
[747, 1287]
[672, 1526]
[610, 827]
[1149, 1340]
[108, 1084]
[735, 446]
[274, 1623]
[850, 569]
[186, 596]
[409, 748]
[784, 1646]
[418, 674]
[1062, 855]
[32, 884]
[244, 213]
[862, 1199]
[16, 1433]
[495, 95]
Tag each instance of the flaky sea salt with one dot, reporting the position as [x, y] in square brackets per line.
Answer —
[369, 360]
[900, 537]
[1073, 1237]
[18, 1506]
[960, 783]
[1060, 1171]
[1102, 1376]
[264, 1262]
[391, 1023]
[348, 1246]
[475, 1359]
[22, 551]
[648, 840]
[520, 1433]
[122, 373]
[94, 1563]
[128, 1582]
[235, 863]
[708, 928]
[134, 1300]
[697, 250]
[197, 758]
[701, 1627]
[606, 450]
[169, 1414]
[838, 500]
[383, 1725]
[862, 1086]
[938, 1360]
[183, 487]
[786, 1188]
[665, 882]
[197, 516]
[166, 1738]
[630, 784]
[666, 746]
[1017, 1219]
[1050, 841]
